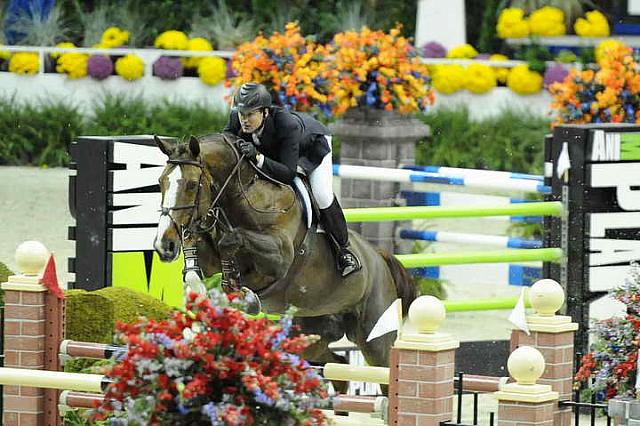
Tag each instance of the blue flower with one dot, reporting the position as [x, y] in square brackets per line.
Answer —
[263, 399]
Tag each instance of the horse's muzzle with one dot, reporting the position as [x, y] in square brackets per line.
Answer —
[167, 250]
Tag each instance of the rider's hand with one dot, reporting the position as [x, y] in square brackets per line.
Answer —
[248, 149]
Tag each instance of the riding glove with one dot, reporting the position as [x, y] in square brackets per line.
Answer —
[248, 149]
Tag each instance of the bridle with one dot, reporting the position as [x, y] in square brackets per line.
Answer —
[215, 214]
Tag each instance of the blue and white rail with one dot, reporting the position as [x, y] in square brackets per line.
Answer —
[462, 238]
[485, 182]
[461, 172]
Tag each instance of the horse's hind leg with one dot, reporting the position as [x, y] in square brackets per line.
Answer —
[330, 329]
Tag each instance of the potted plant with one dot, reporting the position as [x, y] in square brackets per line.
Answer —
[212, 365]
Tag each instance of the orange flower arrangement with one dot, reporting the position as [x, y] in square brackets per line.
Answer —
[378, 70]
[290, 65]
[610, 94]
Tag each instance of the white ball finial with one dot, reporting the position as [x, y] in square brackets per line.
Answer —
[31, 257]
[427, 313]
[526, 365]
[546, 297]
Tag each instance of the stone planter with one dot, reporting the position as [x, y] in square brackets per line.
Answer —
[376, 138]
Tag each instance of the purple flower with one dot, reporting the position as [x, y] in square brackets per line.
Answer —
[433, 49]
[99, 66]
[484, 56]
[167, 68]
[555, 73]
[231, 73]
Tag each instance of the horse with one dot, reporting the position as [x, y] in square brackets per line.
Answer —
[222, 205]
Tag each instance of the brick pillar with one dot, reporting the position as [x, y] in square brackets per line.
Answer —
[376, 138]
[553, 335]
[24, 335]
[422, 368]
[526, 402]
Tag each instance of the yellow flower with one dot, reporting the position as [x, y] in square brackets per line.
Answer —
[523, 81]
[464, 51]
[595, 25]
[501, 73]
[64, 45]
[511, 23]
[479, 78]
[547, 21]
[448, 78]
[130, 67]
[607, 46]
[172, 40]
[198, 43]
[212, 70]
[4, 54]
[24, 63]
[73, 64]
[114, 37]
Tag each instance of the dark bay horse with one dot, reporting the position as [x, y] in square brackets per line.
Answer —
[276, 257]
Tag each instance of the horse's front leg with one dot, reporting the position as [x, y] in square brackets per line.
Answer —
[265, 257]
[201, 259]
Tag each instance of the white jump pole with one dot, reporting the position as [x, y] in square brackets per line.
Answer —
[53, 380]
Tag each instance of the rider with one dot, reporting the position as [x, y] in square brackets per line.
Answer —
[277, 141]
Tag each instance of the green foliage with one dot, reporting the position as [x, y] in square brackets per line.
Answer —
[41, 134]
[37, 134]
[225, 28]
[513, 140]
[536, 57]
[488, 40]
[432, 287]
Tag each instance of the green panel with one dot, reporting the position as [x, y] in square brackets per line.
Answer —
[128, 270]
[629, 146]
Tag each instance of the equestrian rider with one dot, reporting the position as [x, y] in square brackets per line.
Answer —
[278, 141]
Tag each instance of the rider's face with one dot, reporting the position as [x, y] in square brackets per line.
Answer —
[252, 120]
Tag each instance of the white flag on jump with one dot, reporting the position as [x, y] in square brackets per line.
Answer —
[390, 320]
[518, 316]
[564, 162]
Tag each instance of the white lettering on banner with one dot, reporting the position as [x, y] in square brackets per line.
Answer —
[600, 222]
[143, 208]
[604, 278]
[621, 176]
[134, 156]
[608, 252]
[605, 146]
[132, 239]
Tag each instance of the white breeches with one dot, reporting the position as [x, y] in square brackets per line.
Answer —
[321, 180]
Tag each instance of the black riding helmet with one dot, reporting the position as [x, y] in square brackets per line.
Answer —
[251, 96]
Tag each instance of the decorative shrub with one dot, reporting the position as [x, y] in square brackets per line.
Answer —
[24, 63]
[99, 66]
[433, 49]
[213, 365]
[512, 24]
[612, 364]
[594, 24]
[172, 40]
[167, 68]
[378, 70]
[523, 81]
[130, 67]
[212, 70]
[609, 94]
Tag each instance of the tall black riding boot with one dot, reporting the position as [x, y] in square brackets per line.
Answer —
[336, 226]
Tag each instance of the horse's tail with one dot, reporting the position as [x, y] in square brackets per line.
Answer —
[405, 284]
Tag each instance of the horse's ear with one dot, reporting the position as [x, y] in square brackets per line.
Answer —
[165, 146]
[194, 146]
